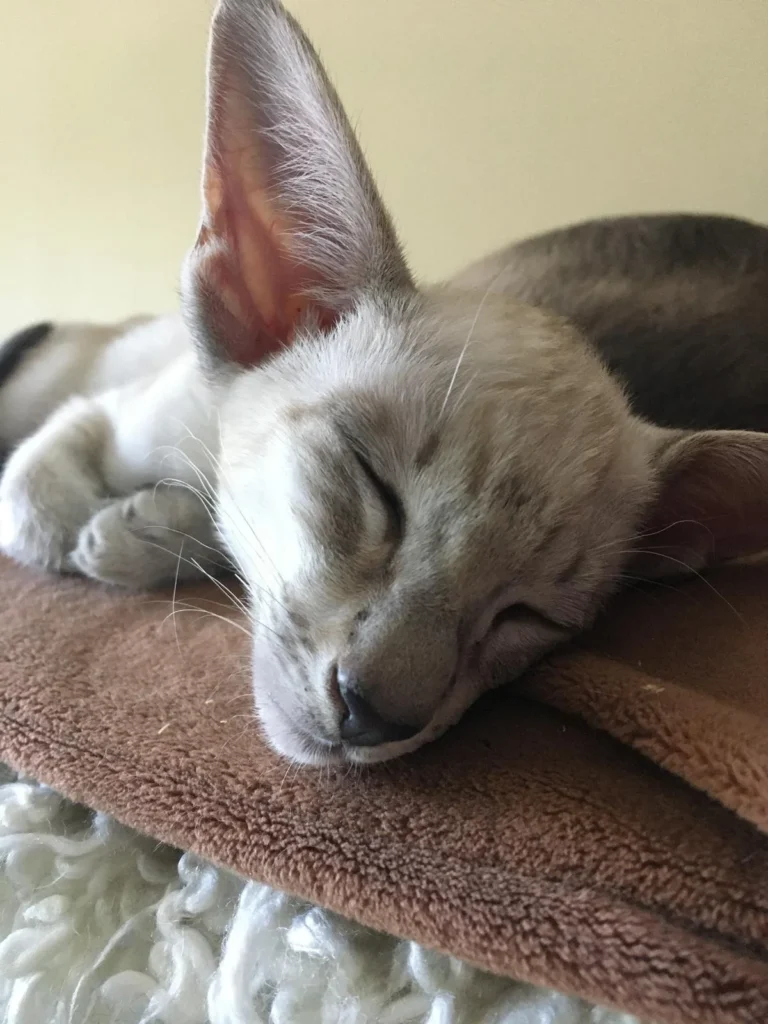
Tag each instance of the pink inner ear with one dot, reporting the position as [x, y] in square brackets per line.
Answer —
[258, 294]
[257, 291]
[244, 267]
[232, 317]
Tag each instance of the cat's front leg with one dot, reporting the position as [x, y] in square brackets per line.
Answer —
[51, 486]
[57, 514]
[155, 536]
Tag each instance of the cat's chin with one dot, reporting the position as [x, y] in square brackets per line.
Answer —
[301, 747]
[389, 751]
[295, 743]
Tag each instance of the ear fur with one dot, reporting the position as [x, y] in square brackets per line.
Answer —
[712, 500]
[292, 227]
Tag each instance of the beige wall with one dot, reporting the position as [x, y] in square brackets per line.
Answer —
[483, 119]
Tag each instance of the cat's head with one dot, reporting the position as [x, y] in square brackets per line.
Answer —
[424, 490]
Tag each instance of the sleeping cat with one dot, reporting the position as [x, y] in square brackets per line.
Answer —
[423, 489]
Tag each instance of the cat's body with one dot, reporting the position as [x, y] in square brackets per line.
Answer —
[423, 489]
[676, 306]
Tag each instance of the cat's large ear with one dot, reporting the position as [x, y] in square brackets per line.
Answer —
[292, 226]
[712, 500]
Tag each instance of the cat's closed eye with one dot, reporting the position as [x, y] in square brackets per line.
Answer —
[388, 497]
[524, 614]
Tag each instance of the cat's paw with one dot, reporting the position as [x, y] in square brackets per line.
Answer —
[122, 545]
[140, 542]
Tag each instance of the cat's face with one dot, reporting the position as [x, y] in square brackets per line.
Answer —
[425, 521]
[424, 490]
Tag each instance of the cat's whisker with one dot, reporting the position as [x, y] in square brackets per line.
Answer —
[694, 572]
[224, 589]
[235, 602]
[250, 715]
[218, 468]
[226, 606]
[645, 581]
[203, 481]
[174, 594]
[678, 522]
[261, 547]
[470, 333]
[233, 676]
[218, 583]
[251, 585]
[280, 788]
[182, 609]
[206, 500]
[655, 533]
[463, 394]
[238, 696]
[185, 536]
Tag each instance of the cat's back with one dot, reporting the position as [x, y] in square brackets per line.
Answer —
[677, 307]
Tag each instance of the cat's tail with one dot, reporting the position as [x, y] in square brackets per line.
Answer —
[17, 347]
[42, 366]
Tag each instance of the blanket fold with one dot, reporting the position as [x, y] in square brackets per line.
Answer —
[598, 826]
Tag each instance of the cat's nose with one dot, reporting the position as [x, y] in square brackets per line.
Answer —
[361, 723]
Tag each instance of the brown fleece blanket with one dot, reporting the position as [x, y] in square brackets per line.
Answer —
[599, 827]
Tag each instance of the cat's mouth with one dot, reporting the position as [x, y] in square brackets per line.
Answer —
[300, 742]
[455, 700]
